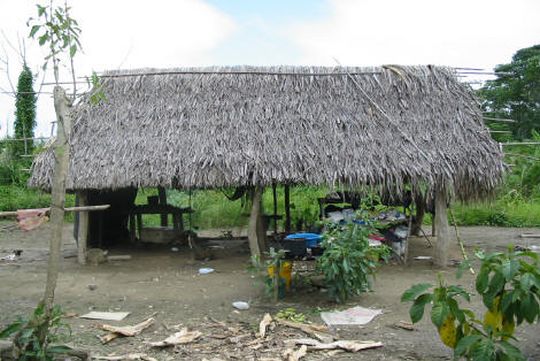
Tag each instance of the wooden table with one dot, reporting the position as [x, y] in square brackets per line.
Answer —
[135, 217]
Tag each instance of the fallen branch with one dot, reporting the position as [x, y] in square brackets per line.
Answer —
[128, 357]
[318, 331]
[347, 345]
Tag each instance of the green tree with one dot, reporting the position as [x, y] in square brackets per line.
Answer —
[25, 112]
[515, 93]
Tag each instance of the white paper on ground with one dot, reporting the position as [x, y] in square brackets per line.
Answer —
[353, 316]
[108, 316]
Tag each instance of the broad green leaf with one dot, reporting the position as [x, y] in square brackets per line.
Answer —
[414, 291]
[72, 50]
[465, 343]
[439, 312]
[509, 269]
[43, 39]
[11, 329]
[417, 309]
[511, 352]
[34, 30]
[482, 280]
[58, 349]
[483, 350]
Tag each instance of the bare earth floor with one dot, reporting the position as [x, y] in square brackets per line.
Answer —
[167, 284]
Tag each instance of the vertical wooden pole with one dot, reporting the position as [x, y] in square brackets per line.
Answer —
[256, 233]
[58, 193]
[287, 209]
[274, 195]
[420, 205]
[162, 194]
[82, 236]
[442, 229]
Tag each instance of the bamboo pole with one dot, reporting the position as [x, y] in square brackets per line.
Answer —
[100, 207]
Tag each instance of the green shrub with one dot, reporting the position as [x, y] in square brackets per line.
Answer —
[35, 336]
[348, 261]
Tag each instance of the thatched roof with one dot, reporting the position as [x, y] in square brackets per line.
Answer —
[228, 126]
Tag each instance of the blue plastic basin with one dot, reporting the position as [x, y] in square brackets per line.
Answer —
[312, 239]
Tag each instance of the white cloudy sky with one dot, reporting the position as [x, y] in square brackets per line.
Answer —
[169, 33]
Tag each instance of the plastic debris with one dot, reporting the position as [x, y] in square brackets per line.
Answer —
[353, 316]
[205, 270]
[240, 305]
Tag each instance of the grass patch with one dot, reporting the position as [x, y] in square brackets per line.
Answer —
[499, 213]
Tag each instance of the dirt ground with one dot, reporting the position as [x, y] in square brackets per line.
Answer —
[166, 284]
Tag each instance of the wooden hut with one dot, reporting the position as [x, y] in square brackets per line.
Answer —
[383, 127]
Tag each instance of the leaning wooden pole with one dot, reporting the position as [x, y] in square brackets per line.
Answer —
[442, 229]
[58, 192]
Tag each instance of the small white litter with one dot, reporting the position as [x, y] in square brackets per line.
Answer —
[240, 305]
[205, 270]
[175, 249]
[422, 258]
[107, 316]
[353, 316]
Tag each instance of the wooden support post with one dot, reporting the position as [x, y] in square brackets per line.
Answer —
[442, 229]
[132, 231]
[274, 195]
[256, 230]
[162, 194]
[287, 210]
[82, 234]
[139, 225]
[420, 205]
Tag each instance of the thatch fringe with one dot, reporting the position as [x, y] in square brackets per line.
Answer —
[229, 126]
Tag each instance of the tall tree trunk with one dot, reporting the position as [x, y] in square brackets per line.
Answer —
[58, 192]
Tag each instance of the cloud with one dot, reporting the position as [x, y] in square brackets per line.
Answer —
[458, 33]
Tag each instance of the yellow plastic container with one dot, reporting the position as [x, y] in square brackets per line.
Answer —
[285, 273]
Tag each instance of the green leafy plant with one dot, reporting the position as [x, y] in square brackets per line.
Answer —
[274, 282]
[36, 338]
[348, 261]
[291, 314]
[509, 284]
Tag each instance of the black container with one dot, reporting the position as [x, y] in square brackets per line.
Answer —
[296, 247]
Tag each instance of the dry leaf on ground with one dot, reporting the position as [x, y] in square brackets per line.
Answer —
[178, 338]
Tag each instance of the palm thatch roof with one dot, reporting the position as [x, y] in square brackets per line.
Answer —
[229, 126]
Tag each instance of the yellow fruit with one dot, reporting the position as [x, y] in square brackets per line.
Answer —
[448, 332]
